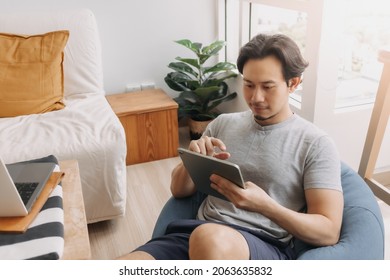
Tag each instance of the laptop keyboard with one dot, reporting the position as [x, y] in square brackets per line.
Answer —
[26, 190]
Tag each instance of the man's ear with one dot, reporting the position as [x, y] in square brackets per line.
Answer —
[293, 83]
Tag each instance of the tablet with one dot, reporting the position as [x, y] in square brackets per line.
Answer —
[200, 168]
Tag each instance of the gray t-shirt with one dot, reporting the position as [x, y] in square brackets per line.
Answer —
[283, 159]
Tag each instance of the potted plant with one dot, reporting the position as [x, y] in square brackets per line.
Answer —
[202, 88]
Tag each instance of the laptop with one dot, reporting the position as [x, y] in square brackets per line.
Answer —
[200, 168]
[20, 186]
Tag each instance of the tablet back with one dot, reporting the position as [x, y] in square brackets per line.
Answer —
[201, 167]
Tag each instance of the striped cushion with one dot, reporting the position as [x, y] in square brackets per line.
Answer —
[44, 239]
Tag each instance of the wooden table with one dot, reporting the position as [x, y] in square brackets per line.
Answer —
[149, 118]
[75, 222]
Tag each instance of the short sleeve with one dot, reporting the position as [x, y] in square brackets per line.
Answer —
[322, 165]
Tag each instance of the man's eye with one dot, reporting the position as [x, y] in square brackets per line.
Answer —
[249, 85]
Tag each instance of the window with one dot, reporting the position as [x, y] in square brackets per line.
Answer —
[272, 20]
[364, 27]
[340, 39]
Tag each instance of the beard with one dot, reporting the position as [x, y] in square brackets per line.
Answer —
[260, 118]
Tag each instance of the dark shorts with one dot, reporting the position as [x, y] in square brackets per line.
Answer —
[174, 244]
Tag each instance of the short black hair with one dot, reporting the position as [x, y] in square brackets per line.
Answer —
[278, 45]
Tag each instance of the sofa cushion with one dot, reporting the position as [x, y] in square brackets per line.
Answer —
[83, 70]
[31, 73]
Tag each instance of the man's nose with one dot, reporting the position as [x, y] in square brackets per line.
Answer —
[258, 95]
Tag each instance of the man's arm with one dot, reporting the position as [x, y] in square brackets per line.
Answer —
[181, 182]
[321, 224]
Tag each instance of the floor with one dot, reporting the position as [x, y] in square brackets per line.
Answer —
[148, 190]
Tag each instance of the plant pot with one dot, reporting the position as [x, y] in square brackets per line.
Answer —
[197, 128]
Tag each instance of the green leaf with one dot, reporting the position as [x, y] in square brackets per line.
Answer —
[189, 96]
[193, 46]
[192, 85]
[182, 102]
[204, 92]
[187, 108]
[223, 99]
[203, 58]
[213, 48]
[190, 61]
[183, 68]
[221, 66]
[209, 51]
[181, 82]
[180, 77]
[191, 109]
[205, 116]
[212, 80]
[175, 82]
[221, 92]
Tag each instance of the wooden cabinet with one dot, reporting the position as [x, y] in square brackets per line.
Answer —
[149, 118]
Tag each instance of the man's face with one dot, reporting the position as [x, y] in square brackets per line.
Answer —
[266, 91]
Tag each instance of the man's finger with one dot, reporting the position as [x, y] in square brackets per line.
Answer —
[218, 143]
[209, 145]
[222, 155]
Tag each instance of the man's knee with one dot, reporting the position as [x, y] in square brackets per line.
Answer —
[205, 241]
[213, 241]
[207, 234]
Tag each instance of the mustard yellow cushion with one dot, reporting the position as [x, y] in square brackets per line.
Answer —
[31, 73]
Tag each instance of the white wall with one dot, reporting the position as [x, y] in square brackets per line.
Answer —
[137, 35]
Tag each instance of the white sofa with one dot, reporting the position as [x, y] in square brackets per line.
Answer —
[86, 129]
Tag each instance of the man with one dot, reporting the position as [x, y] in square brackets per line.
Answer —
[292, 168]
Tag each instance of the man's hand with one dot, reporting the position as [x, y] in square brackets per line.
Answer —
[252, 198]
[181, 183]
[206, 146]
